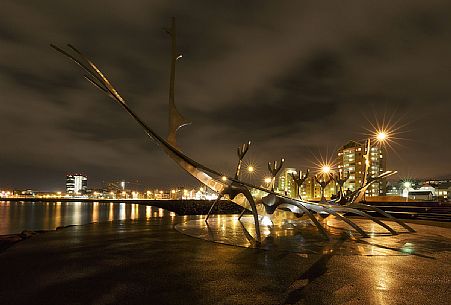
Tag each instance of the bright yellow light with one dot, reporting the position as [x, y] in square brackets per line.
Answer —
[224, 178]
[250, 169]
[173, 191]
[325, 169]
[268, 180]
[381, 136]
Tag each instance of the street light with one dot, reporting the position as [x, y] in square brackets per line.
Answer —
[325, 169]
[381, 136]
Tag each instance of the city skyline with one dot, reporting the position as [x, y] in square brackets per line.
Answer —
[295, 97]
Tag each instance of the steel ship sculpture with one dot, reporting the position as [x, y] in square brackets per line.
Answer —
[265, 204]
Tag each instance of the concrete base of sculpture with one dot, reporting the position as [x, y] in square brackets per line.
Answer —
[301, 236]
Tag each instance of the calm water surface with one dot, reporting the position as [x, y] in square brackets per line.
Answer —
[18, 216]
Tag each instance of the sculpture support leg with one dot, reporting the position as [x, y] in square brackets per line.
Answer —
[212, 206]
[361, 213]
[371, 208]
[349, 222]
[249, 198]
[315, 221]
[242, 213]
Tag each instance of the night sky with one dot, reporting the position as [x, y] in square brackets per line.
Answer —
[298, 79]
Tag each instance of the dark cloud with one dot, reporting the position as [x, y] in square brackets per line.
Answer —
[299, 79]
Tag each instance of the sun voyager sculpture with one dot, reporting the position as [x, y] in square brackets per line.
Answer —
[265, 205]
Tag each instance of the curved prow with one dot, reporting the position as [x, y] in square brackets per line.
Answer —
[176, 120]
[205, 175]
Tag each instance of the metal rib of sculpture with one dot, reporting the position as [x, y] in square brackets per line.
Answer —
[274, 169]
[275, 207]
[340, 179]
[299, 181]
[323, 181]
[176, 120]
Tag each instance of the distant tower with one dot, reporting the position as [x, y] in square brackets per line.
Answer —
[76, 184]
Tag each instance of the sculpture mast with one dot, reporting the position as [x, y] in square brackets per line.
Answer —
[176, 120]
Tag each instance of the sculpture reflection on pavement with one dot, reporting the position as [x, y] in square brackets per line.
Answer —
[265, 205]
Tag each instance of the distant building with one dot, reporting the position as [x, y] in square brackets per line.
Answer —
[351, 160]
[76, 184]
[440, 189]
[311, 190]
[285, 183]
[393, 188]
[420, 195]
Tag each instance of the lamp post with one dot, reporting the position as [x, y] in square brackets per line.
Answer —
[380, 136]
[325, 177]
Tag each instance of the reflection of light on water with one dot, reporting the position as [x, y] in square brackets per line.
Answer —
[133, 207]
[160, 212]
[137, 206]
[95, 212]
[77, 212]
[110, 212]
[121, 210]
[148, 211]
[58, 213]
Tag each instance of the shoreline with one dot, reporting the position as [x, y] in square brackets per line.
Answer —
[9, 240]
[180, 207]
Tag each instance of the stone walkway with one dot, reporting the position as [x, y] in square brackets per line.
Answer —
[149, 262]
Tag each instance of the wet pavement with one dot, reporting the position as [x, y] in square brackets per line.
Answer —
[149, 262]
[302, 236]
